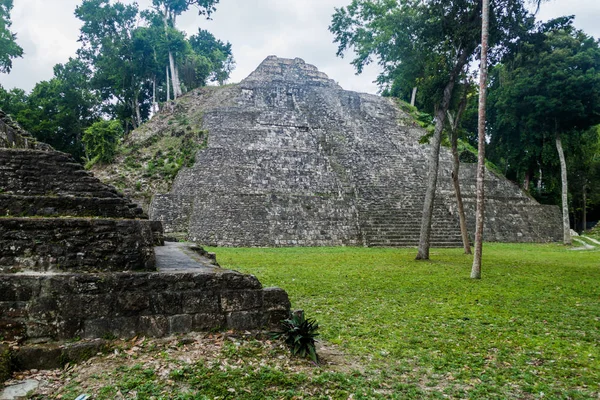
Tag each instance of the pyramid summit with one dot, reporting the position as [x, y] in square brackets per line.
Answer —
[292, 159]
[292, 70]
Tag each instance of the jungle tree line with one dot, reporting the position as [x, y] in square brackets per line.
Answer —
[130, 61]
[543, 87]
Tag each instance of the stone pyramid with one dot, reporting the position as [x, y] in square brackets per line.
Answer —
[295, 160]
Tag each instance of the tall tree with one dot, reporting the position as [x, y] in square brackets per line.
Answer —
[483, 72]
[59, 110]
[170, 10]
[9, 49]
[432, 40]
[218, 53]
[551, 92]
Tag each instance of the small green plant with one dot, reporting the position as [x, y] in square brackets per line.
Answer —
[100, 141]
[299, 335]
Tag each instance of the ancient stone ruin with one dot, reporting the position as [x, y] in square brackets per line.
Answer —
[78, 260]
[295, 160]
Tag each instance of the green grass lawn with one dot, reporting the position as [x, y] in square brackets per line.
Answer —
[529, 329]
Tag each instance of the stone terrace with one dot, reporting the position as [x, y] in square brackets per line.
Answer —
[77, 259]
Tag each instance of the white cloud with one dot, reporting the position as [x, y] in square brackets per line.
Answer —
[48, 32]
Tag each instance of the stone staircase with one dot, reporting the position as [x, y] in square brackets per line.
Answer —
[395, 221]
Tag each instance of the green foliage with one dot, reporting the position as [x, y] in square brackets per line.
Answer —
[550, 86]
[422, 43]
[100, 141]
[299, 335]
[59, 110]
[9, 49]
[218, 55]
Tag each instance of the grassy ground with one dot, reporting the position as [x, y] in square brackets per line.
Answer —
[529, 328]
[406, 329]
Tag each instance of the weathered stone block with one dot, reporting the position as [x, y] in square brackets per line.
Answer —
[275, 299]
[274, 318]
[22, 290]
[180, 323]
[125, 327]
[207, 322]
[241, 300]
[235, 280]
[167, 303]
[245, 320]
[200, 302]
[96, 328]
[131, 303]
[154, 325]
[43, 356]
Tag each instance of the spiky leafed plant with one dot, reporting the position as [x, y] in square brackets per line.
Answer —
[299, 335]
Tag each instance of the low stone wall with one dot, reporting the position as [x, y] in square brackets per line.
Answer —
[52, 206]
[73, 244]
[46, 307]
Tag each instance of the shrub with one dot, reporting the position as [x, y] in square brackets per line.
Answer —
[299, 335]
[100, 141]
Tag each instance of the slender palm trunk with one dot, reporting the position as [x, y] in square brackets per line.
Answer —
[485, 21]
[565, 198]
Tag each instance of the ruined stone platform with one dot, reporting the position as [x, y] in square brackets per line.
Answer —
[79, 260]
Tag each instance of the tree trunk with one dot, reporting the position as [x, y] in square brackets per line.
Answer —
[539, 182]
[174, 76]
[138, 114]
[434, 159]
[168, 86]
[134, 123]
[527, 180]
[565, 198]
[413, 97]
[485, 21]
[154, 103]
[456, 169]
[172, 66]
[584, 209]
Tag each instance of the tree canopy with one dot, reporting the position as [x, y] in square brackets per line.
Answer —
[9, 49]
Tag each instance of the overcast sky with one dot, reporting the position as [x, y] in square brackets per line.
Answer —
[48, 30]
